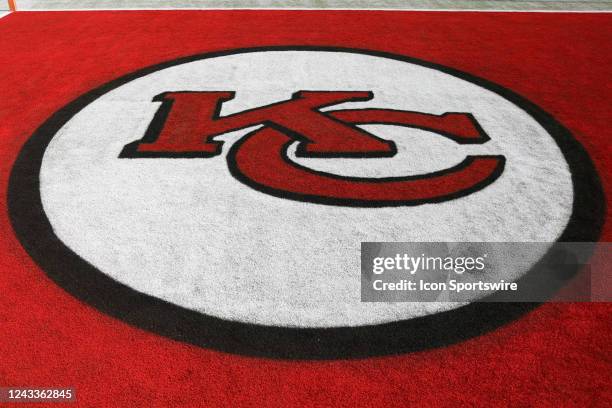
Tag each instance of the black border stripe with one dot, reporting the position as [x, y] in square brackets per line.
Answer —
[90, 285]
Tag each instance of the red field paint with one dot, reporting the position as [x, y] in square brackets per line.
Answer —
[552, 356]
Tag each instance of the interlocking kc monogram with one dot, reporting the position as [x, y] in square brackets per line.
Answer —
[187, 123]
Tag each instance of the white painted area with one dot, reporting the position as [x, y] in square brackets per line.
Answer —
[184, 230]
[4, 13]
[329, 9]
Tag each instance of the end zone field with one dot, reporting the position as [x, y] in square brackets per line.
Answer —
[187, 188]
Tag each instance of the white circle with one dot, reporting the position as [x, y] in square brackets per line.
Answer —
[187, 232]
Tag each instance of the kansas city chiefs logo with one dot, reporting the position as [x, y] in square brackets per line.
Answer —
[187, 123]
[221, 199]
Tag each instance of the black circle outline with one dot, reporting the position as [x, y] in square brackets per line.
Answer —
[90, 285]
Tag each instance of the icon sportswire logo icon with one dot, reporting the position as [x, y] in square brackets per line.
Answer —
[187, 123]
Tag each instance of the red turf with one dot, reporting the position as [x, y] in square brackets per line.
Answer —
[558, 355]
